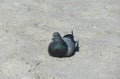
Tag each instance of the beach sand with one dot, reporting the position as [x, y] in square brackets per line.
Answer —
[26, 28]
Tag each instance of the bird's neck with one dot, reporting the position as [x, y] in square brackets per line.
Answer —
[58, 40]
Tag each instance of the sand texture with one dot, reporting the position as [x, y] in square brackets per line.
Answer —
[26, 28]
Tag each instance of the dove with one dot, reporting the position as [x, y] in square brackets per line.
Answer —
[64, 46]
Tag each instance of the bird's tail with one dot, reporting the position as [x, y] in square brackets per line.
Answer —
[72, 32]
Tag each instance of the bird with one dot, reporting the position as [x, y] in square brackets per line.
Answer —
[64, 46]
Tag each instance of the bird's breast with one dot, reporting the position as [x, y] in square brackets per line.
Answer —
[58, 49]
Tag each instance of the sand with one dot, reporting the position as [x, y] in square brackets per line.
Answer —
[26, 28]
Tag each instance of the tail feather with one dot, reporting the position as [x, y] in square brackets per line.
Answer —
[72, 32]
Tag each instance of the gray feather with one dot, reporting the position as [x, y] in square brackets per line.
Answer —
[70, 46]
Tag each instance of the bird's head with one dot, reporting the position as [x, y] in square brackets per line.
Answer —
[56, 36]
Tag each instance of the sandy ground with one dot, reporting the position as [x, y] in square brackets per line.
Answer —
[26, 27]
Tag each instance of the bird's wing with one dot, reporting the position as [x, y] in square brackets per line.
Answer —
[70, 45]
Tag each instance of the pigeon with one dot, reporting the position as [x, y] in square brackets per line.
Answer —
[64, 46]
